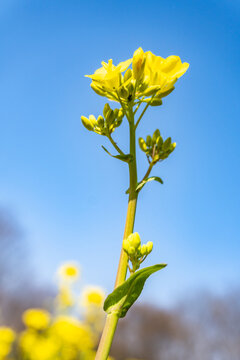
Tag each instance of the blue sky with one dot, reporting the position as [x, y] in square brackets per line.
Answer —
[68, 194]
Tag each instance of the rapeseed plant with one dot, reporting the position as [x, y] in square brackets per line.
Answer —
[150, 80]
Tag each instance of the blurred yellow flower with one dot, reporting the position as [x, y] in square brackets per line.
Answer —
[7, 335]
[65, 297]
[72, 331]
[69, 271]
[108, 77]
[37, 319]
[93, 295]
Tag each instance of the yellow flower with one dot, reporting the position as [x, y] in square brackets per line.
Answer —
[65, 297]
[71, 331]
[161, 74]
[38, 347]
[108, 78]
[93, 295]
[7, 335]
[69, 271]
[37, 319]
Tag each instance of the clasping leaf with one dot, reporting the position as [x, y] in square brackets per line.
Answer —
[124, 296]
[141, 184]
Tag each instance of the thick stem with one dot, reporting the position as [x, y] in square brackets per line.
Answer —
[107, 337]
[112, 319]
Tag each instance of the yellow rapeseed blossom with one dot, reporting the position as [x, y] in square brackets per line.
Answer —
[71, 331]
[93, 295]
[65, 297]
[37, 319]
[7, 336]
[69, 271]
[108, 77]
[161, 74]
[151, 75]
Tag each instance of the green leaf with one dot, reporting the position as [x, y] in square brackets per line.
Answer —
[127, 158]
[142, 183]
[124, 296]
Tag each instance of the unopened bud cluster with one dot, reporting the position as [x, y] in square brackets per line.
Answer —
[106, 124]
[136, 252]
[155, 147]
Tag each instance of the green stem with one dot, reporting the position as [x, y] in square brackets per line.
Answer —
[112, 319]
[115, 145]
[140, 117]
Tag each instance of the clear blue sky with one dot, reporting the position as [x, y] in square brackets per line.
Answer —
[68, 194]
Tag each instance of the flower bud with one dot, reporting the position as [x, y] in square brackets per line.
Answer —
[149, 141]
[106, 109]
[120, 114]
[131, 250]
[127, 75]
[143, 250]
[87, 123]
[156, 134]
[167, 144]
[142, 144]
[100, 121]
[123, 92]
[159, 142]
[125, 245]
[138, 63]
[110, 117]
[134, 240]
[98, 90]
[149, 246]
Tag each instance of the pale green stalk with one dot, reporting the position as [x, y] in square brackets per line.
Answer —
[112, 319]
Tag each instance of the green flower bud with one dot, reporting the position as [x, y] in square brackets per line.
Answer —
[144, 84]
[155, 102]
[98, 90]
[106, 109]
[159, 142]
[142, 144]
[130, 88]
[100, 121]
[167, 144]
[151, 90]
[87, 123]
[127, 75]
[115, 113]
[156, 134]
[120, 113]
[118, 122]
[110, 117]
[149, 141]
[123, 92]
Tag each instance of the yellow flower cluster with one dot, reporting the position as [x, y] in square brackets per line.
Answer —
[7, 337]
[151, 76]
[59, 335]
